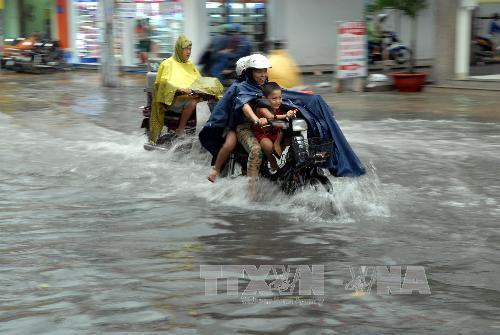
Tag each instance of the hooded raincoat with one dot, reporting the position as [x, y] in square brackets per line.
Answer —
[284, 70]
[175, 73]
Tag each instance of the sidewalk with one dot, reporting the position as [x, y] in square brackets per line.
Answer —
[473, 83]
[431, 104]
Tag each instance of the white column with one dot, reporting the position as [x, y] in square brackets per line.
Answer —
[196, 26]
[128, 41]
[109, 71]
[463, 35]
[72, 28]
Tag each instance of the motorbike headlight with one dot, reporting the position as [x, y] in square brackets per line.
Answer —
[299, 125]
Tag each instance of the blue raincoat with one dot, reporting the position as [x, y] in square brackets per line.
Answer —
[319, 116]
[220, 118]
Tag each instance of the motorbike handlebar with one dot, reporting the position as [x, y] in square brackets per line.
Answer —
[274, 123]
[204, 96]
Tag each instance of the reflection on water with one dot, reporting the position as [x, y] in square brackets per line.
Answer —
[100, 236]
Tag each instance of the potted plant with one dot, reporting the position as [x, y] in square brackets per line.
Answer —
[409, 81]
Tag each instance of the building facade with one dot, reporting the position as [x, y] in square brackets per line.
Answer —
[457, 22]
[310, 27]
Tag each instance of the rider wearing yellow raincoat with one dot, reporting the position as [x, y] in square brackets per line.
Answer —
[284, 70]
[177, 77]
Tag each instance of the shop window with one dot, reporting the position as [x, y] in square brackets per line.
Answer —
[250, 16]
[87, 35]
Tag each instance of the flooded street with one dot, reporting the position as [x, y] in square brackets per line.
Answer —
[99, 236]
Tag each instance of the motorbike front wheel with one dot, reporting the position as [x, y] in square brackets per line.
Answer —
[319, 183]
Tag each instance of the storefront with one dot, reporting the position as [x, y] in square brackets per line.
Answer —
[485, 44]
[455, 40]
[155, 23]
[87, 37]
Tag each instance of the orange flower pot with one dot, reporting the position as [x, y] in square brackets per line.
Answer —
[409, 82]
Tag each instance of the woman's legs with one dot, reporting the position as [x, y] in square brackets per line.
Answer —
[223, 155]
[252, 146]
[187, 111]
[249, 142]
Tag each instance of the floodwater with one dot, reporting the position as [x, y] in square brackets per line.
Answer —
[99, 236]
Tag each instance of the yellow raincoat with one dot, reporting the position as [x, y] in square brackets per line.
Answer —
[284, 70]
[175, 73]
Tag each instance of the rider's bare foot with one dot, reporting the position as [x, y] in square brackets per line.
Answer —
[252, 189]
[180, 132]
[213, 175]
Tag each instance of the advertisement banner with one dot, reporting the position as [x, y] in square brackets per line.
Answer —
[352, 45]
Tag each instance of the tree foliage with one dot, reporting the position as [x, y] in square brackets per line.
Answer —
[410, 8]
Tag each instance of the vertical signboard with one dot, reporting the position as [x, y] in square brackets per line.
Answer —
[352, 45]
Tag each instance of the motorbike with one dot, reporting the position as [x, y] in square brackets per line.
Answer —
[300, 164]
[228, 74]
[397, 51]
[35, 56]
[482, 49]
[194, 124]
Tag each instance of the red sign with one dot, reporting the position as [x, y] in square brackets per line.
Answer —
[351, 62]
[353, 31]
[349, 67]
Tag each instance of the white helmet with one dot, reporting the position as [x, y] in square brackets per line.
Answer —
[382, 16]
[241, 65]
[258, 61]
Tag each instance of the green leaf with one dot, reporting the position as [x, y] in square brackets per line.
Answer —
[410, 8]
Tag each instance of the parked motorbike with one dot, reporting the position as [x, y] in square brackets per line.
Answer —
[397, 51]
[33, 56]
[300, 165]
[482, 49]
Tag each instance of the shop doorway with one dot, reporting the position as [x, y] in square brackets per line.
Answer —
[485, 42]
[35, 17]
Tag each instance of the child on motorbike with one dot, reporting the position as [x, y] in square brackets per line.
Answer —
[269, 136]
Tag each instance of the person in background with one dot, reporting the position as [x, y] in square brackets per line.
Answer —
[284, 70]
[376, 33]
[217, 43]
[143, 31]
[236, 46]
